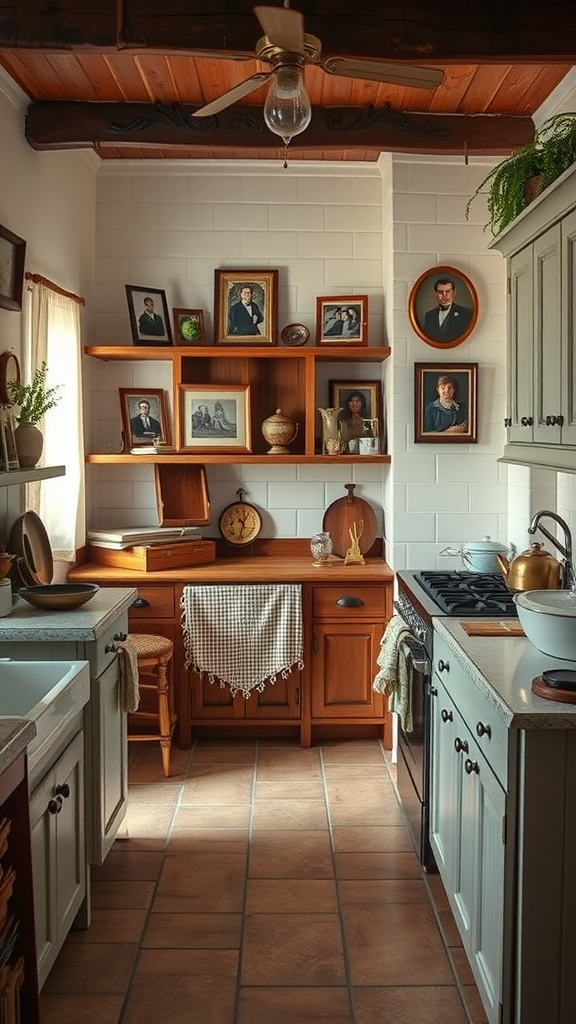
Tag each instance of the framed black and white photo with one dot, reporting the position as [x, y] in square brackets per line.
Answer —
[443, 307]
[148, 312]
[446, 400]
[144, 416]
[245, 307]
[12, 256]
[342, 320]
[215, 417]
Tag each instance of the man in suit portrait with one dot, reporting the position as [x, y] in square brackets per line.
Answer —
[447, 321]
[149, 322]
[144, 425]
[244, 315]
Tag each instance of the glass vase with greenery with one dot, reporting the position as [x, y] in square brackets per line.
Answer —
[33, 399]
[507, 186]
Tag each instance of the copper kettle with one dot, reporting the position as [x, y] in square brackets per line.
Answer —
[533, 569]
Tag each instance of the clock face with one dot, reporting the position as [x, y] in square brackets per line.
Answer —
[240, 523]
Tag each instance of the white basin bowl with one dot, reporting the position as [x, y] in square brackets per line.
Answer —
[548, 617]
[48, 693]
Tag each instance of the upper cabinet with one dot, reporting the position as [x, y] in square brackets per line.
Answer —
[293, 380]
[541, 388]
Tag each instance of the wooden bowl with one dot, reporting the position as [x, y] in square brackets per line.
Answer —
[59, 597]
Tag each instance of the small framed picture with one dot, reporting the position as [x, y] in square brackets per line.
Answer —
[446, 399]
[144, 416]
[360, 418]
[342, 320]
[12, 255]
[148, 315]
[215, 417]
[8, 451]
[245, 307]
[189, 327]
[443, 307]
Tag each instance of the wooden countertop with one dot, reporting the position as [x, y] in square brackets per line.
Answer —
[244, 569]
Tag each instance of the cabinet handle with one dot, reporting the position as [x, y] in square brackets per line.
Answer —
[471, 767]
[507, 421]
[554, 421]
[63, 789]
[350, 602]
[460, 745]
[140, 602]
[314, 644]
[110, 649]
[526, 421]
[446, 716]
[298, 696]
[443, 666]
[433, 691]
[121, 637]
[55, 805]
[483, 730]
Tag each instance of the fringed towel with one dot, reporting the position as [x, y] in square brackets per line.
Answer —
[395, 675]
[244, 636]
[129, 682]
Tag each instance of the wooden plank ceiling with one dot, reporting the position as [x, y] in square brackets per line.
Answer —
[125, 81]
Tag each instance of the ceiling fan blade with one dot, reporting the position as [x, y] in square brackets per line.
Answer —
[283, 26]
[237, 93]
[408, 75]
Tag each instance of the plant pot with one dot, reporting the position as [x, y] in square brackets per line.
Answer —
[29, 444]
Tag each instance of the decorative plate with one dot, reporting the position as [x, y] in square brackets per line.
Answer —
[295, 334]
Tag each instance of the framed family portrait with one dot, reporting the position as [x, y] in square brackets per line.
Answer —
[189, 327]
[144, 416]
[245, 307]
[342, 320]
[215, 417]
[446, 400]
[148, 312]
[361, 415]
[443, 307]
[12, 256]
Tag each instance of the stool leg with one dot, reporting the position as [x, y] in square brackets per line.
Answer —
[164, 713]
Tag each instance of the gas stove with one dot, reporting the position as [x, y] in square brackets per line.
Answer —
[457, 594]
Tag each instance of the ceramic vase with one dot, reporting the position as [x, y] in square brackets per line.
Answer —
[29, 444]
[279, 431]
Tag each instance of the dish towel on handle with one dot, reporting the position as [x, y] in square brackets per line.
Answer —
[244, 636]
[129, 677]
[395, 675]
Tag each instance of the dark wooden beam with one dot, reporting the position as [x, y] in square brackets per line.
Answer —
[473, 32]
[66, 125]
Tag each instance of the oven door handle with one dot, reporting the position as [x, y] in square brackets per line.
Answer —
[418, 655]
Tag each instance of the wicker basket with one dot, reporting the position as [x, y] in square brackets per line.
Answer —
[534, 187]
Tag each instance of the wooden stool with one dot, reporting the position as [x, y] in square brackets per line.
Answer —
[154, 654]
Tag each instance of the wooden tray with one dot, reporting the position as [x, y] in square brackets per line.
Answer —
[540, 688]
[341, 515]
[507, 627]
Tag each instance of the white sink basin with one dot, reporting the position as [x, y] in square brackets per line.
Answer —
[48, 693]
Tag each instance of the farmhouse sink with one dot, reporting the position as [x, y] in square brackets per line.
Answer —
[48, 693]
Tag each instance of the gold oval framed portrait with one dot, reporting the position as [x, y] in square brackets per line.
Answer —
[443, 307]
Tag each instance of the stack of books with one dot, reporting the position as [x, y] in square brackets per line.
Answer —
[151, 550]
[118, 539]
[153, 449]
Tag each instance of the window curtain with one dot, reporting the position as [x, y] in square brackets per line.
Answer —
[55, 336]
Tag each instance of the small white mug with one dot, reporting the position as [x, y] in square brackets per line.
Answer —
[368, 445]
[5, 596]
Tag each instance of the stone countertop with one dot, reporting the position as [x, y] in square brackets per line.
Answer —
[503, 669]
[88, 622]
[15, 735]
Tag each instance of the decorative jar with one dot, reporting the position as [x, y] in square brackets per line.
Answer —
[321, 548]
[279, 431]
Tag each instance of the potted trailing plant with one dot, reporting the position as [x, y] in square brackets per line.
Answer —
[512, 184]
[33, 401]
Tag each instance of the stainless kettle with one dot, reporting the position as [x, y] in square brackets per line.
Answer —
[533, 569]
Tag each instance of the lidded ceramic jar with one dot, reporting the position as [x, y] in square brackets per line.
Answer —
[279, 431]
[321, 548]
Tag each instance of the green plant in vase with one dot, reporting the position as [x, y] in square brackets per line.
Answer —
[512, 184]
[33, 400]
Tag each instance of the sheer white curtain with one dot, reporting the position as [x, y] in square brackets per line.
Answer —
[55, 337]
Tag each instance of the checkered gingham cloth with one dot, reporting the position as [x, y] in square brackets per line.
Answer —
[243, 636]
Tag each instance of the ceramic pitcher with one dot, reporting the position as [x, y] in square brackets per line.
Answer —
[331, 436]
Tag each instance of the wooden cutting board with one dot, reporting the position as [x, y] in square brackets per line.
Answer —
[507, 627]
[339, 518]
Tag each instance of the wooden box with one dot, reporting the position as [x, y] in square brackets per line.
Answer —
[182, 494]
[153, 557]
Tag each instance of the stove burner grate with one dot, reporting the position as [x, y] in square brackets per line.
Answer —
[468, 593]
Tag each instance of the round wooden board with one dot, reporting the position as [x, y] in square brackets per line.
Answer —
[32, 544]
[542, 689]
[339, 518]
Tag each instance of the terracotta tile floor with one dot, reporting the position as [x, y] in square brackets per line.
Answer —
[264, 882]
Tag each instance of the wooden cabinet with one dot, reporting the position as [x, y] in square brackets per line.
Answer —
[58, 851]
[541, 378]
[294, 380]
[279, 702]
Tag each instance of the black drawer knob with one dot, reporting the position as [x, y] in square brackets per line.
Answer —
[483, 730]
[471, 767]
[140, 602]
[443, 666]
[446, 716]
[460, 745]
[63, 790]
[350, 602]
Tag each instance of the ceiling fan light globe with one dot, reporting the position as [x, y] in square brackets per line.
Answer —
[287, 110]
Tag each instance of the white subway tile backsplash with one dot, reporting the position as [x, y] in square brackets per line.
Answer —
[186, 217]
[448, 497]
[326, 190]
[305, 495]
[147, 188]
[294, 217]
[255, 188]
[241, 217]
[310, 244]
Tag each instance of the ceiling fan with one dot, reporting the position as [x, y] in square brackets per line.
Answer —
[288, 49]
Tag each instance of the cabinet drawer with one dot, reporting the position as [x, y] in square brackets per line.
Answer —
[482, 719]
[157, 602]
[349, 601]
